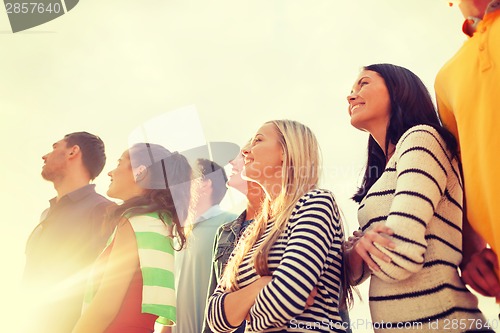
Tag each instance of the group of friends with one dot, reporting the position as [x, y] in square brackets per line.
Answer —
[428, 213]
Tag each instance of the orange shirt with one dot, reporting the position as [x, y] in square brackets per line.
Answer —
[468, 98]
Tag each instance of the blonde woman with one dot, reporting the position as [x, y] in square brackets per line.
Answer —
[292, 252]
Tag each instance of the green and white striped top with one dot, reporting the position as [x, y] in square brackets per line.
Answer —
[156, 261]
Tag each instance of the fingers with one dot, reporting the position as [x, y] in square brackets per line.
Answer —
[350, 242]
[357, 234]
[363, 248]
[310, 298]
[480, 274]
[366, 249]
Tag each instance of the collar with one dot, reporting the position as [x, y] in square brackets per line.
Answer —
[236, 223]
[209, 213]
[469, 26]
[75, 196]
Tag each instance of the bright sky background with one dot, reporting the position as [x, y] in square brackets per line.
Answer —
[108, 66]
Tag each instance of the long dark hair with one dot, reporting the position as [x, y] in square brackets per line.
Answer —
[167, 188]
[411, 105]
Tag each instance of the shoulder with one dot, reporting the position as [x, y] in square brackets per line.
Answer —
[149, 222]
[220, 219]
[93, 196]
[227, 226]
[421, 133]
[229, 216]
[97, 204]
[317, 199]
[317, 194]
[316, 208]
[422, 137]
[418, 132]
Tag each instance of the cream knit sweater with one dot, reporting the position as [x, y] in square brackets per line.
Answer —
[419, 196]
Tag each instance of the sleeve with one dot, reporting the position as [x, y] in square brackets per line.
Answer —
[312, 232]
[216, 314]
[212, 283]
[421, 183]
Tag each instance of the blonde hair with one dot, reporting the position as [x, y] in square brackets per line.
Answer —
[300, 174]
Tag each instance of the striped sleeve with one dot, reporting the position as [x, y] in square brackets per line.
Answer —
[216, 314]
[311, 234]
[156, 259]
[421, 164]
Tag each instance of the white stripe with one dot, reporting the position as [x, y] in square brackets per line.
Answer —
[156, 259]
[145, 223]
[158, 295]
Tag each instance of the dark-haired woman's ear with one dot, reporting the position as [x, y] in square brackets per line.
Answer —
[140, 173]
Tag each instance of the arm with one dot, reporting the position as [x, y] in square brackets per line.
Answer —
[226, 311]
[421, 183]
[478, 263]
[314, 231]
[120, 268]
[166, 329]
[359, 249]
[212, 284]
[480, 274]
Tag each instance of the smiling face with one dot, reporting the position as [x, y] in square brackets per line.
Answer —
[264, 157]
[369, 103]
[123, 185]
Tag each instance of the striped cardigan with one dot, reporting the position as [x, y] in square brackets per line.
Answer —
[156, 261]
[307, 254]
[419, 196]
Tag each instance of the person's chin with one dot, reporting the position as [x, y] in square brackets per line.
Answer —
[110, 192]
[45, 175]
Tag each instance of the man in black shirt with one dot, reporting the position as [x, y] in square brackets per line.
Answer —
[70, 235]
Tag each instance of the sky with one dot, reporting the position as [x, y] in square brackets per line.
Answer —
[107, 67]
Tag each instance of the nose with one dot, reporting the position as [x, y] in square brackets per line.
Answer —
[110, 173]
[351, 97]
[245, 150]
[44, 157]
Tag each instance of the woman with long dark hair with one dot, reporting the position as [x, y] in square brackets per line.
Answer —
[411, 207]
[132, 283]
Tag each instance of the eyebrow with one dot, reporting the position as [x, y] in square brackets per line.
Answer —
[359, 81]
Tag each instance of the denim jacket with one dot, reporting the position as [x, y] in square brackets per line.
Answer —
[225, 241]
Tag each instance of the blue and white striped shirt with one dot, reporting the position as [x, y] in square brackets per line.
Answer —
[307, 254]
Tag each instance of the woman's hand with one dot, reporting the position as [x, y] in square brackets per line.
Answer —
[352, 240]
[310, 299]
[480, 274]
[364, 245]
